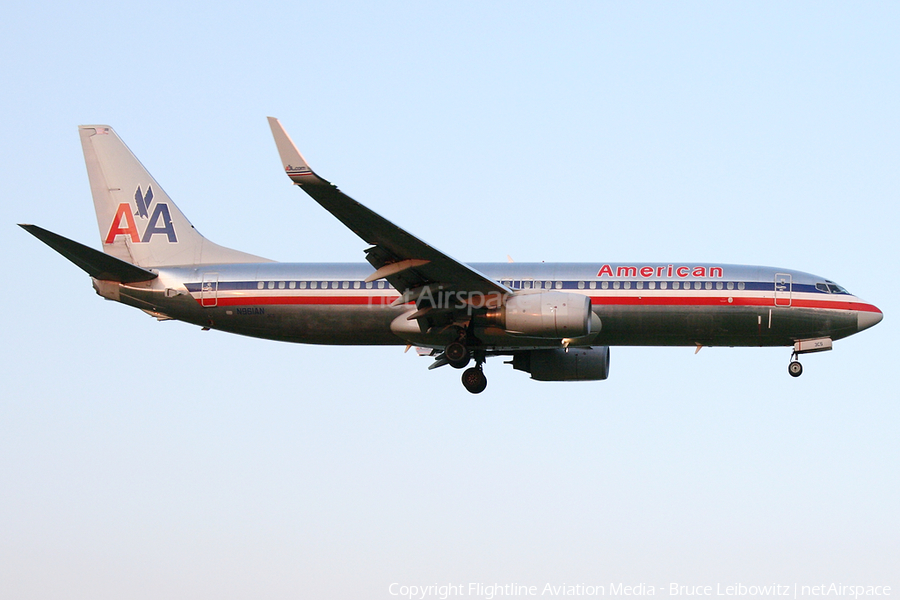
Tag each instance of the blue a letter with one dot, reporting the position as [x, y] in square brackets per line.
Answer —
[161, 212]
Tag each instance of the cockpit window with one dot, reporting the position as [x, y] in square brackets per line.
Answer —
[830, 287]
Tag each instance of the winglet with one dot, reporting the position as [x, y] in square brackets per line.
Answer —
[294, 164]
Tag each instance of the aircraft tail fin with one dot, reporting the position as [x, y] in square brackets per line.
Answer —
[138, 221]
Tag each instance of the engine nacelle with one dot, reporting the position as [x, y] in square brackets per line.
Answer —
[548, 314]
[559, 364]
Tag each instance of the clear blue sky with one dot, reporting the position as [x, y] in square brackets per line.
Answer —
[152, 460]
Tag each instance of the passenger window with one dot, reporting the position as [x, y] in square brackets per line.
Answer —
[708, 285]
[260, 285]
[741, 285]
[355, 285]
[580, 285]
[302, 285]
[651, 285]
[559, 285]
[719, 285]
[604, 285]
[730, 285]
[313, 285]
[280, 285]
[640, 285]
[292, 285]
[346, 285]
[627, 285]
[593, 285]
[676, 285]
[271, 285]
[380, 285]
[616, 285]
[663, 285]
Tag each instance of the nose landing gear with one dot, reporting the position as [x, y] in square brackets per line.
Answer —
[805, 347]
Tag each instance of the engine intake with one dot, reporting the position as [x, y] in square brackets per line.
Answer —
[549, 314]
[559, 364]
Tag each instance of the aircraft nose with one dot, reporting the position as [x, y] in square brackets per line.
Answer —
[867, 318]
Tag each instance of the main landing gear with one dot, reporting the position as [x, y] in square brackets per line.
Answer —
[458, 356]
[795, 368]
[474, 380]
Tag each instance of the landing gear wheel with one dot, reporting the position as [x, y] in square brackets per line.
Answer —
[474, 380]
[795, 369]
[457, 355]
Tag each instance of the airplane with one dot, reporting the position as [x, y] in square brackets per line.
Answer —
[553, 321]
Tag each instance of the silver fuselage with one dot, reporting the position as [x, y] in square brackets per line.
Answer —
[638, 304]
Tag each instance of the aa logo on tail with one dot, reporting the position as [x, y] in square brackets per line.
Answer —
[159, 221]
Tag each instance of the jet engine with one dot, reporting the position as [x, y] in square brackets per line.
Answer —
[549, 314]
[560, 364]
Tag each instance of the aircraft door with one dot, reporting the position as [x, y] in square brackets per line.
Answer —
[209, 290]
[783, 286]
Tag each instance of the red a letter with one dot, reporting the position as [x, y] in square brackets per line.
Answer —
[116, 228]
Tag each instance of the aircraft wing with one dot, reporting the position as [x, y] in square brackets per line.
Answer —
[408, 263]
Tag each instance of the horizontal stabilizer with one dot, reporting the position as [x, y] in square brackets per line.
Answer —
[98, 265]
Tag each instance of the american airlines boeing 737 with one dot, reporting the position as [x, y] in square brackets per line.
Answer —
[555, 321]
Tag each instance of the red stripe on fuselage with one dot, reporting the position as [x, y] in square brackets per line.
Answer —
[597, 300]
[723, 300]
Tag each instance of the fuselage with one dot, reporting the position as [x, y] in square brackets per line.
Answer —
[660, 304]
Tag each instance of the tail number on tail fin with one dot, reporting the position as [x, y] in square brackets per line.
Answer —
[159, 221]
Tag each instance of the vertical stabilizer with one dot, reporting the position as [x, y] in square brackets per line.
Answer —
[138, 221]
